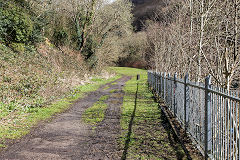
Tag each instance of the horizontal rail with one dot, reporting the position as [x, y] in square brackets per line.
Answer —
[231, 97]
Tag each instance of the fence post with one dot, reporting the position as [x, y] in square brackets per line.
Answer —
[148, 77]
[186, 101]
[156, 79]
[161, 82]
[152, 80]
[169, 92]
[174, 96]
[207, 117]
[164, 86]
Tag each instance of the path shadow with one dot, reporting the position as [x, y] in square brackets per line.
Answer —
[128, 138]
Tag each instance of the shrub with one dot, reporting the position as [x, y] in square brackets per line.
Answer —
[17, 47]
[60, 37]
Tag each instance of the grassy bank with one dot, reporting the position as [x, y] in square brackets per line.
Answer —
[146, 134]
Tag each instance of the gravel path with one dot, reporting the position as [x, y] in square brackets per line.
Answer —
[67, 137]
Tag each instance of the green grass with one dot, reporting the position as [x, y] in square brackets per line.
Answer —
[148, 138]
[95, 113]
[107, 87]
[129, 71]
[114, 83]
[103, 98]
[114, 90]
[18, 123]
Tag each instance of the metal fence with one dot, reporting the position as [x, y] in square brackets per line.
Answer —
[210, 115]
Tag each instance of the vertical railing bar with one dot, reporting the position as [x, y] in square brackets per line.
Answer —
[230, 127]
[221, 124]
[175, 88]
[238, 130]
[151, 80]
[170, 94]
[237, 119]
[214, 127]
[206, 117]
[185, 101]
[218, 127]
[237, 122]
[168, 77]
[160, 84]
[164, 83]
[225, 126]
[154, 82]
[172, 83]
[233, 130]
[157, 84]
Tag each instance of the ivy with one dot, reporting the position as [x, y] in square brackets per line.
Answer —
[16, 24]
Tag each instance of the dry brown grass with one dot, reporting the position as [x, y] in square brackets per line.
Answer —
[36, 77]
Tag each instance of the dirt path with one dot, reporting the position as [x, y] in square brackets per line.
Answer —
[68, 137]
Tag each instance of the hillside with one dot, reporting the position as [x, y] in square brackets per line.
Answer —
[144, 10]
[156, 10]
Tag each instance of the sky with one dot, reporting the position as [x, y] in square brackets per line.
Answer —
[110, 1]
